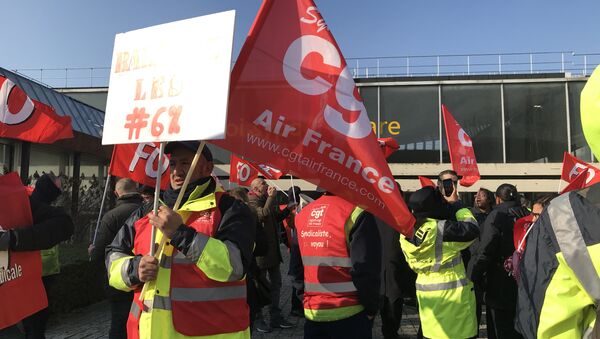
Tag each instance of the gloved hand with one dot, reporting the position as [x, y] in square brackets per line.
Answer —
[4, 240]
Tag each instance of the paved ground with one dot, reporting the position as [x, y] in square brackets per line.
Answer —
[93, 321]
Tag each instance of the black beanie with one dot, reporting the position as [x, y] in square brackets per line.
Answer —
[45, 189]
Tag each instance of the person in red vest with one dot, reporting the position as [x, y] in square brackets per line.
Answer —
[341, 254]
[197, 287]
[51, 226]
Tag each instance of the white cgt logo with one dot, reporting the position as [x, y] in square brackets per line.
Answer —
[7, 116]
[577, 169]
[344, 88]
[462, 137]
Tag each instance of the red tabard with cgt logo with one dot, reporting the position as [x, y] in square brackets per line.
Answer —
[324, 250]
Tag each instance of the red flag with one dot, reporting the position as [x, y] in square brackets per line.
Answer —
[388, 146]
[462, 154]
[577, 183]
[20, 272]
[139, 162]
[268, 172]
[426, 182]
[30, 120]
[573, 166]
[294, 104]
[241, 171]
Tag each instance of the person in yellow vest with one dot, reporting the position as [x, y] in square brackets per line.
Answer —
[341, 254]
[559, 280]
[445, 295]
[196, 289]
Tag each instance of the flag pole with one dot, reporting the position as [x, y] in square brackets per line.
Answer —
[271, 182]
[559, 185]
[161, 154]
[101, 208]
[293, 191]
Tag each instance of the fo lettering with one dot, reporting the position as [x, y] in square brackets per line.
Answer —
[151, 158]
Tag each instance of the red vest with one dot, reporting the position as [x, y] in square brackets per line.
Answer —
[324, 250]
[193, 313]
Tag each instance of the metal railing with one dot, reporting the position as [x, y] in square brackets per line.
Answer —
[568, 62]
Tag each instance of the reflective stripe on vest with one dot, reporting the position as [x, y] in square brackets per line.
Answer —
[442, 286]
[439, 243]
[571, 243]
[326, 261]
[340, 287]
[209, 293]
[454, 262]
[135, 311]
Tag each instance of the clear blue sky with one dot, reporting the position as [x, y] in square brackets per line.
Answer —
[80, 33]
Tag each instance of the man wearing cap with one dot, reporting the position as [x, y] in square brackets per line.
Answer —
[196, 289]
[445, 295]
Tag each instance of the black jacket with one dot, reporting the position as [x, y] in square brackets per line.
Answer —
[112, 222]
[237, 226]
[51, 225]
[495, 246]
[109, 226]
[397, 279]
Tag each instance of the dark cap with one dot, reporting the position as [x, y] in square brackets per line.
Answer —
[191, 145]
[428, 203]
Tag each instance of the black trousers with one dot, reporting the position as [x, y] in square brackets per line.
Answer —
[391, 316]
[357, 326]
[501, 324]
[35, 324]
[119, 312]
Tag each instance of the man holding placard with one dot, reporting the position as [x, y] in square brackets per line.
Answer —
[197, 287]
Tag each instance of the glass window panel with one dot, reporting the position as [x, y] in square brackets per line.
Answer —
[369, 96]
[410, 115]
[478, 110]
[579, 146]
[536, 123]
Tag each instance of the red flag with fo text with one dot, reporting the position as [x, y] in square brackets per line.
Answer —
[579, 182]
[26, 119]
[139, 162]
[425, 181]
[21, 289]
[573, 166]
[462, 154]
[241, 171]
[294, 104]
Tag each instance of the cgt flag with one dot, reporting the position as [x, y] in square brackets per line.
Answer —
[462, 154]
[139, 162]
[293, 104]
[29, 120]
[21, 289]
[572, 167]
[577, 183]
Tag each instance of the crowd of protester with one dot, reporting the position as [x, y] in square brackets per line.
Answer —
[460, 261]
